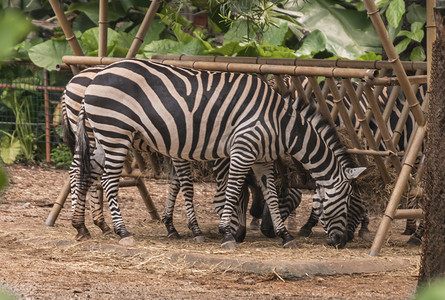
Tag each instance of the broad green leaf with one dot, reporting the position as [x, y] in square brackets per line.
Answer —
[91, 38]
[228, 49]
[160, 47]
[194, 47]
[13, 28]
[275, 34]
[153, 33]
[395, 12]
[10, 149]
[400, 47]
[416, 32]
[238, 32]
[369, 56]
[416, 13]
[313, 43]
[49, 54]
[349, 32]
[418, 54]
[91, 9]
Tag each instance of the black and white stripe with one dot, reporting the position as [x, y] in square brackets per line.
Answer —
[198, 115]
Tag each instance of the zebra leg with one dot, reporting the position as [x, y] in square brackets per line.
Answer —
[364, 231]
[306, 229]
[257, 207]
[265, 176]
[184, 175]
[79, 186]
[288, 201]
[97, 208]
[238, 220]
[167, 218]
[416, 238]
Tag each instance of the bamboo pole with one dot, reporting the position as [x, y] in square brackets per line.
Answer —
[382, 125]
[361, 64]
[394, 59]
[430, 34]
[346, 120]
[397, 193]
[145, 25]
[323, 107]
[143, 191]
[69, 35]
[103, 28]
[365, 128]
[408, 214]
[57, 207]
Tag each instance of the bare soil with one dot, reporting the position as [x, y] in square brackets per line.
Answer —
[39, 262]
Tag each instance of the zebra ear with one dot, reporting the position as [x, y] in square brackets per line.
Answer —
[353, 173]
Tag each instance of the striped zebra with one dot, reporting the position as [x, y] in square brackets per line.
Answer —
[198, 115]
[71, 104]
[383, 99]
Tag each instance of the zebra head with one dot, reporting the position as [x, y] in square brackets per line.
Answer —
[334, 215]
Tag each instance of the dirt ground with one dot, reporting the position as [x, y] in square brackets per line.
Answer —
[39, 262]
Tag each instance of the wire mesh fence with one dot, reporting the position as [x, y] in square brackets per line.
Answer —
[30, 113]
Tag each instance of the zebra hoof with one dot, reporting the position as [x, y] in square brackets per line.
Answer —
[199, 239]
[408, 231]
[305, 232]
[414, 240]
[127, 241]
[254, 224]
[229, 245]
[365, 234]
[290, 244]
[174, 235]
[83, 236]
[107, 231]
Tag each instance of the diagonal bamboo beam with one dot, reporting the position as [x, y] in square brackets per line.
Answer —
[382, 125]
[143, 29]
[338, 100]
[397, 193]
[394, 59]
[365, 128]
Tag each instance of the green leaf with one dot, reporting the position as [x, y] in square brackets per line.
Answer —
[275, 34]
[349, 32]
[194, 47]
[418, 54]
[416, 13]
[160, 47]
[369, 56]
[228, 49]
[153, 33]
[395, 12]
[400, 47]
[49, 54]
[91, 9]
[13, 28]
[10, 149]
[238, 32]
[313, 43]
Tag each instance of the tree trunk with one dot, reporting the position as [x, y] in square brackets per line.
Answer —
[433, 244]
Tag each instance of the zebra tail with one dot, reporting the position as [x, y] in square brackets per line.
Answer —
[68, 135]
[83, 147]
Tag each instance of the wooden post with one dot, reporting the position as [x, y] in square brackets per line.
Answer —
[103, 28]
[394, 59]
[142, 32]
[397, 193]
[57, 207]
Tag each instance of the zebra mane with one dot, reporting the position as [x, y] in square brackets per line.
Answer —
[310, 112]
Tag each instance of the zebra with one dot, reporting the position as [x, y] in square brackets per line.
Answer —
[208, 116]
[383, 97]
[71, 104]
